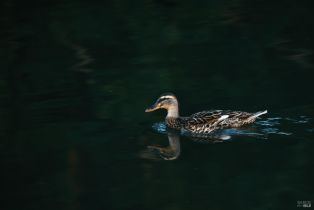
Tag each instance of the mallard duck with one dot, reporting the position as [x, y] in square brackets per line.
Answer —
[201, 122]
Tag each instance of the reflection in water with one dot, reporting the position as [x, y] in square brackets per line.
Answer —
[72, 175]
[81, 53]
[170, 152]
[260, 130]
[300, 56]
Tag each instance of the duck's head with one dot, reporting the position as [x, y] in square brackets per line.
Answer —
[165, 101]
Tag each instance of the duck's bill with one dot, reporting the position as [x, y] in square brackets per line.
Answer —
[152, 108]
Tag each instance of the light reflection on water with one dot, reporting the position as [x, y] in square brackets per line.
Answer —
[259, 128]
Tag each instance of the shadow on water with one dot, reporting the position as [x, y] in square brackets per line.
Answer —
[261, 130]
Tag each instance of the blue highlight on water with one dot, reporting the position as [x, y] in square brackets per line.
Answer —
[260, 129]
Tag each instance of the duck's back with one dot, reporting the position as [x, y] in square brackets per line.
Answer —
[207, 121]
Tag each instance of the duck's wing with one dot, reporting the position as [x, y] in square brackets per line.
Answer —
[238, 115]
[207, 121]
[211, 117]
[204, 122]
[206, 113]
[238, 118]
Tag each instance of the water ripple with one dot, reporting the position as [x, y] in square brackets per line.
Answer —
[160, 127]
[285, 126]
[310, 130]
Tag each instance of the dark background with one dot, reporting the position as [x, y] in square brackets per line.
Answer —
[76, 77]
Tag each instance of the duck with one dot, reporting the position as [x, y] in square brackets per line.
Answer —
[204, 122]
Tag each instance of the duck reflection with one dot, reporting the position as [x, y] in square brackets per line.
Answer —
[170, 152]
[173, 150]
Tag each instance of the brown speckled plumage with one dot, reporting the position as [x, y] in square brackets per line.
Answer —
[202, 122]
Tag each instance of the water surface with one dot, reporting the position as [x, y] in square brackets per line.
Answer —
[77, 77]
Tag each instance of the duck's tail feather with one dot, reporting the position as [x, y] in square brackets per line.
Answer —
[257, 114]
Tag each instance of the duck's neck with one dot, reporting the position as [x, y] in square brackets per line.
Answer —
[173, 111]
[173, 119]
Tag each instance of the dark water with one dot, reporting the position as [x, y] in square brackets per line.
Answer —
[77, 76]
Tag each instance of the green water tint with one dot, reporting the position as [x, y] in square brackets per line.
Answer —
[76, 78]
